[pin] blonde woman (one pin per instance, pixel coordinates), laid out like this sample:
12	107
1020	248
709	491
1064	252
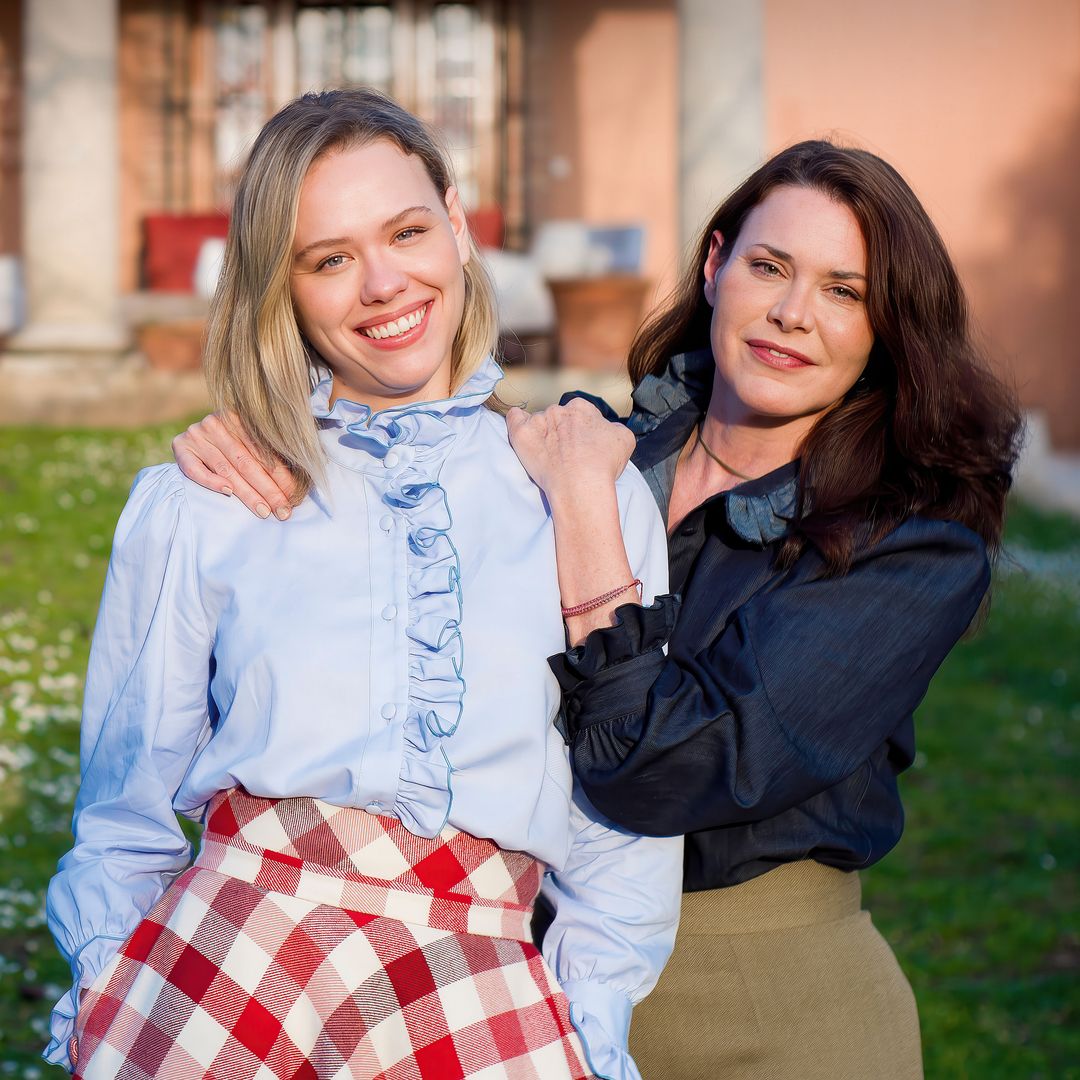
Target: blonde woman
357	703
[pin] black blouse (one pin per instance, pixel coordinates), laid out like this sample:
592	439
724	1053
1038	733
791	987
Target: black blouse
775	725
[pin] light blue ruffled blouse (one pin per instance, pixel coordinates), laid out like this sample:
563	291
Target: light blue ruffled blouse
385	649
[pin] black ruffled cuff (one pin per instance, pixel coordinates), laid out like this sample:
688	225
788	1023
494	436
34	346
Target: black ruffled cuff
611	671
636	630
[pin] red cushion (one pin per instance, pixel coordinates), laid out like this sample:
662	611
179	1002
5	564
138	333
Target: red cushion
487	226
172	243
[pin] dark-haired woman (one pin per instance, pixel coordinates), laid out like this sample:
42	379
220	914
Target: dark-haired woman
832	459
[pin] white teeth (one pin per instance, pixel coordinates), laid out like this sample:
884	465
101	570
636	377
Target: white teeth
399	326
776	352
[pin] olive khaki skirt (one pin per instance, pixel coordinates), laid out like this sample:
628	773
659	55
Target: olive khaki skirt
780	978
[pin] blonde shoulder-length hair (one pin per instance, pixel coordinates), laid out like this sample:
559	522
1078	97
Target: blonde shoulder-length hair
258	365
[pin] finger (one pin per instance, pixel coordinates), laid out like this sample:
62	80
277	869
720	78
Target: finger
253	499
191	465
204	463
253	483
285	481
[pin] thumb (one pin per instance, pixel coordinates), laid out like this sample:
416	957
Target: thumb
515	419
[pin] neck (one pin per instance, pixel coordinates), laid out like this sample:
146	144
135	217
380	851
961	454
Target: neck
377	400
750	444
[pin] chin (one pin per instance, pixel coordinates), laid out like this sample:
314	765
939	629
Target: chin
395	379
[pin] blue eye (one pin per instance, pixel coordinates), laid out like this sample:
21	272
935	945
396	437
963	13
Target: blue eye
409	233
331	262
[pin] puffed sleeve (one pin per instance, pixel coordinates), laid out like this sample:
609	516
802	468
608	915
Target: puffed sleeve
800	686
616	901
145	713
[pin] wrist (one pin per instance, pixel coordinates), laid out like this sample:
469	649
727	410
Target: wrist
603	599
571	493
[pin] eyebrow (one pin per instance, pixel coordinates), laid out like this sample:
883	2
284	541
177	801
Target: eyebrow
840	275
387	226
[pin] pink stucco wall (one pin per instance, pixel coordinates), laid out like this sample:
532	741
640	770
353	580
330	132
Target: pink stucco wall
603	114
977	102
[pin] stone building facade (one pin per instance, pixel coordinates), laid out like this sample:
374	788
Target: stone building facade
608	111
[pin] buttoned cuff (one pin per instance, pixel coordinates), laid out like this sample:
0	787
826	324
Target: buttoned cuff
601	1017
86	965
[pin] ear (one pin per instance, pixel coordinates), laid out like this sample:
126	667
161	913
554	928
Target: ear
714	263
456	212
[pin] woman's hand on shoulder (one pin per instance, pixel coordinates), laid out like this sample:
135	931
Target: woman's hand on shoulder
216	453
569	449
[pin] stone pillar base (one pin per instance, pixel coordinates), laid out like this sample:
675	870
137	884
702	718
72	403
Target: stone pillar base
37	339
94	389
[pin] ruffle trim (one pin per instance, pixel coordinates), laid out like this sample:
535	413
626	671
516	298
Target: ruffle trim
414	441
86	966
687	378
762	517
470	395
635	631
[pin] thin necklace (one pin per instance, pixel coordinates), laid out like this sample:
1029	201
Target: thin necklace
723	464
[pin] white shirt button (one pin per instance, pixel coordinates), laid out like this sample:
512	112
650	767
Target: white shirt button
374	807
389	612
388	711
386	522
391	459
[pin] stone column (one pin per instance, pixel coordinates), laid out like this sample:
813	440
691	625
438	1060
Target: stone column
73	336
721	106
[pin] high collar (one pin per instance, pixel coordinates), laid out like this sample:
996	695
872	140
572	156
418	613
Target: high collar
667	408
687	380
357	417
399	435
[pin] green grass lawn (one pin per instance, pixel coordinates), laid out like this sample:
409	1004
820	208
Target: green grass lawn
978	900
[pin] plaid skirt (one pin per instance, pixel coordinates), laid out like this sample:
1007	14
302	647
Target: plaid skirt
314	941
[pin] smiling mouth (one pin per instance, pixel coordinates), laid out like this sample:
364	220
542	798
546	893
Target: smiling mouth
778	358
396	327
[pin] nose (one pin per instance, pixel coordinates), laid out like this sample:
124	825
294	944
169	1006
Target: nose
383	280
793	309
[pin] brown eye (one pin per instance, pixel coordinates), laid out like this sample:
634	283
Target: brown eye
842	292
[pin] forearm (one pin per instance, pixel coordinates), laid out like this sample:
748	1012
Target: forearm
616	904
591	554
772	711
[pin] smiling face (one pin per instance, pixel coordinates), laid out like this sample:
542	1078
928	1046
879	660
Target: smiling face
377	281
790	331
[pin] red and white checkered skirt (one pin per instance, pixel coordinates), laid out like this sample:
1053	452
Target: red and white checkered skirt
314	941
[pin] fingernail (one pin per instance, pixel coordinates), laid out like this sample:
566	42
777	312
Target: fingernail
282	513
262	510
227	491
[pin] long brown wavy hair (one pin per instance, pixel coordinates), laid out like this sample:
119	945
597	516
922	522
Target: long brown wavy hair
928	429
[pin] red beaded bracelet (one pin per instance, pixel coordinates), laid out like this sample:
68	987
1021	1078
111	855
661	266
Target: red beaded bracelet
598	601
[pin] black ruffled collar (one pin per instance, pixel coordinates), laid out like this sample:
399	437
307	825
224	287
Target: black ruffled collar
667	407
